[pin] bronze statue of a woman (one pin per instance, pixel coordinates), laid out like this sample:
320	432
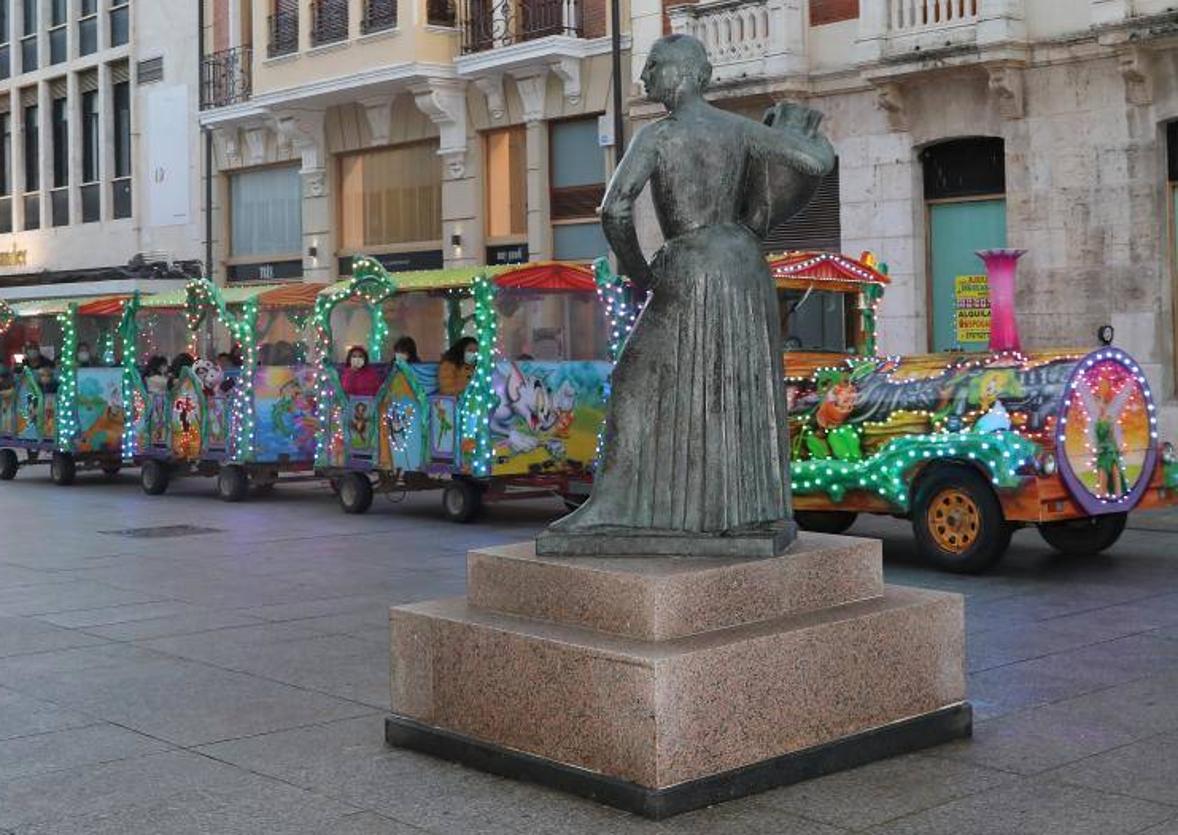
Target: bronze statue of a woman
696	450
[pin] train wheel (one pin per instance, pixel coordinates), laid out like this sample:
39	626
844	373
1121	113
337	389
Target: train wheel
958	521
63	469
832	521
1089	535
232	483
461	500
9	464
154	478
355	493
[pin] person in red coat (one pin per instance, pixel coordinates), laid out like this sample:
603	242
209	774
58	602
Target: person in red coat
359	378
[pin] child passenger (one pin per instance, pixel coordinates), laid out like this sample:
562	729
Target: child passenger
458	366
359	379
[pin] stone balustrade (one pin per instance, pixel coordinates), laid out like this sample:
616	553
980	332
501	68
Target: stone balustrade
746	39
893	28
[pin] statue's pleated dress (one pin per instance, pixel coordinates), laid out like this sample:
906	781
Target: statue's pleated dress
703	448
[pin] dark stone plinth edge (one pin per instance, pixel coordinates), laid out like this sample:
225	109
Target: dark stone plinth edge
936	728
755	543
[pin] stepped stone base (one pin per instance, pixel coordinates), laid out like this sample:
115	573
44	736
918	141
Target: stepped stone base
660	684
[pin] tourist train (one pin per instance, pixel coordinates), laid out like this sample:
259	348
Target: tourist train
348	383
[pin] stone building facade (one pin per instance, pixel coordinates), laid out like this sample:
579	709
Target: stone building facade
1041	124
426	133
99	151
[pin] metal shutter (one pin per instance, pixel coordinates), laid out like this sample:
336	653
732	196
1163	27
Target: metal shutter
816	227
150	70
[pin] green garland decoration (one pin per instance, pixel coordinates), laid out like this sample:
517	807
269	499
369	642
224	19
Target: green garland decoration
372	284
475	404
67	384
134	392
7	317
999	454
202	295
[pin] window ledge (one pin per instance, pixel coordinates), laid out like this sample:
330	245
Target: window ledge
280	59
334	46
379	35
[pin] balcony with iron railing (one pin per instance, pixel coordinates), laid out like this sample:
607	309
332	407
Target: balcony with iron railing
226	77
284	31
329	21
490	24
379	15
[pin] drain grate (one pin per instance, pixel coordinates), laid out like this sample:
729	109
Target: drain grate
163	532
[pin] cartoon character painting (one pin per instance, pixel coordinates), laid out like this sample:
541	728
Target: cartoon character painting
100	410
361	426
547	415
1104	431
528	410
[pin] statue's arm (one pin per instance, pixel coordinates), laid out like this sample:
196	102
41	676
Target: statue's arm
617	210
790	133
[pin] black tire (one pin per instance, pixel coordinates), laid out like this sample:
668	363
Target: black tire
958	521
355	493
63	469
233	483
461	501
825	521
9	464
154	478
1089	535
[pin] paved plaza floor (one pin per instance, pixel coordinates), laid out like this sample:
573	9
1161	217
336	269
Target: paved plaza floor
177	665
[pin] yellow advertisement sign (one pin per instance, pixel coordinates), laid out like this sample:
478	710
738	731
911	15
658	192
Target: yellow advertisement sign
972	308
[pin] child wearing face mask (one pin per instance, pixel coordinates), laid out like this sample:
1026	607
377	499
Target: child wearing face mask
458	366
85	360
359	379
405	349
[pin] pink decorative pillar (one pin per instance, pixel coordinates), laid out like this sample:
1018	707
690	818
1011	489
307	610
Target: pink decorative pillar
1001	267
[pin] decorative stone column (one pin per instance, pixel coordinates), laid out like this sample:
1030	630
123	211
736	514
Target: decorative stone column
443	100
786	53
304	130
533	93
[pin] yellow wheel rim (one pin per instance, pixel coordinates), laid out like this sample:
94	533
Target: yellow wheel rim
954	521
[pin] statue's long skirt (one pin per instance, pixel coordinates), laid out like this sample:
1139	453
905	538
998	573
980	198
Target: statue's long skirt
696	436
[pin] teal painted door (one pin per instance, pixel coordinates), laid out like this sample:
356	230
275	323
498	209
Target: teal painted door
957	231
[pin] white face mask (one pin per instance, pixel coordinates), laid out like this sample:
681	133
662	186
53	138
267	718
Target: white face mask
472	357
357	363
402	356
83	356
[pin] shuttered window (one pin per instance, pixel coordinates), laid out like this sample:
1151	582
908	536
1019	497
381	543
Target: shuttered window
816	227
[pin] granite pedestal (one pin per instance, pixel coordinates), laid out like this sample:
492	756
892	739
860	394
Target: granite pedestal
660	685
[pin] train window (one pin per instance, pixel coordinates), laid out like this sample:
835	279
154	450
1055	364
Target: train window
551	326
280	339
817	320
420	316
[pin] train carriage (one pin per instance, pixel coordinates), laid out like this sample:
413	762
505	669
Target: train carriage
528	422
968	446
69	412
248	420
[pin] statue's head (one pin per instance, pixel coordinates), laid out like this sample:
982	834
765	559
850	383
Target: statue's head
678	65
